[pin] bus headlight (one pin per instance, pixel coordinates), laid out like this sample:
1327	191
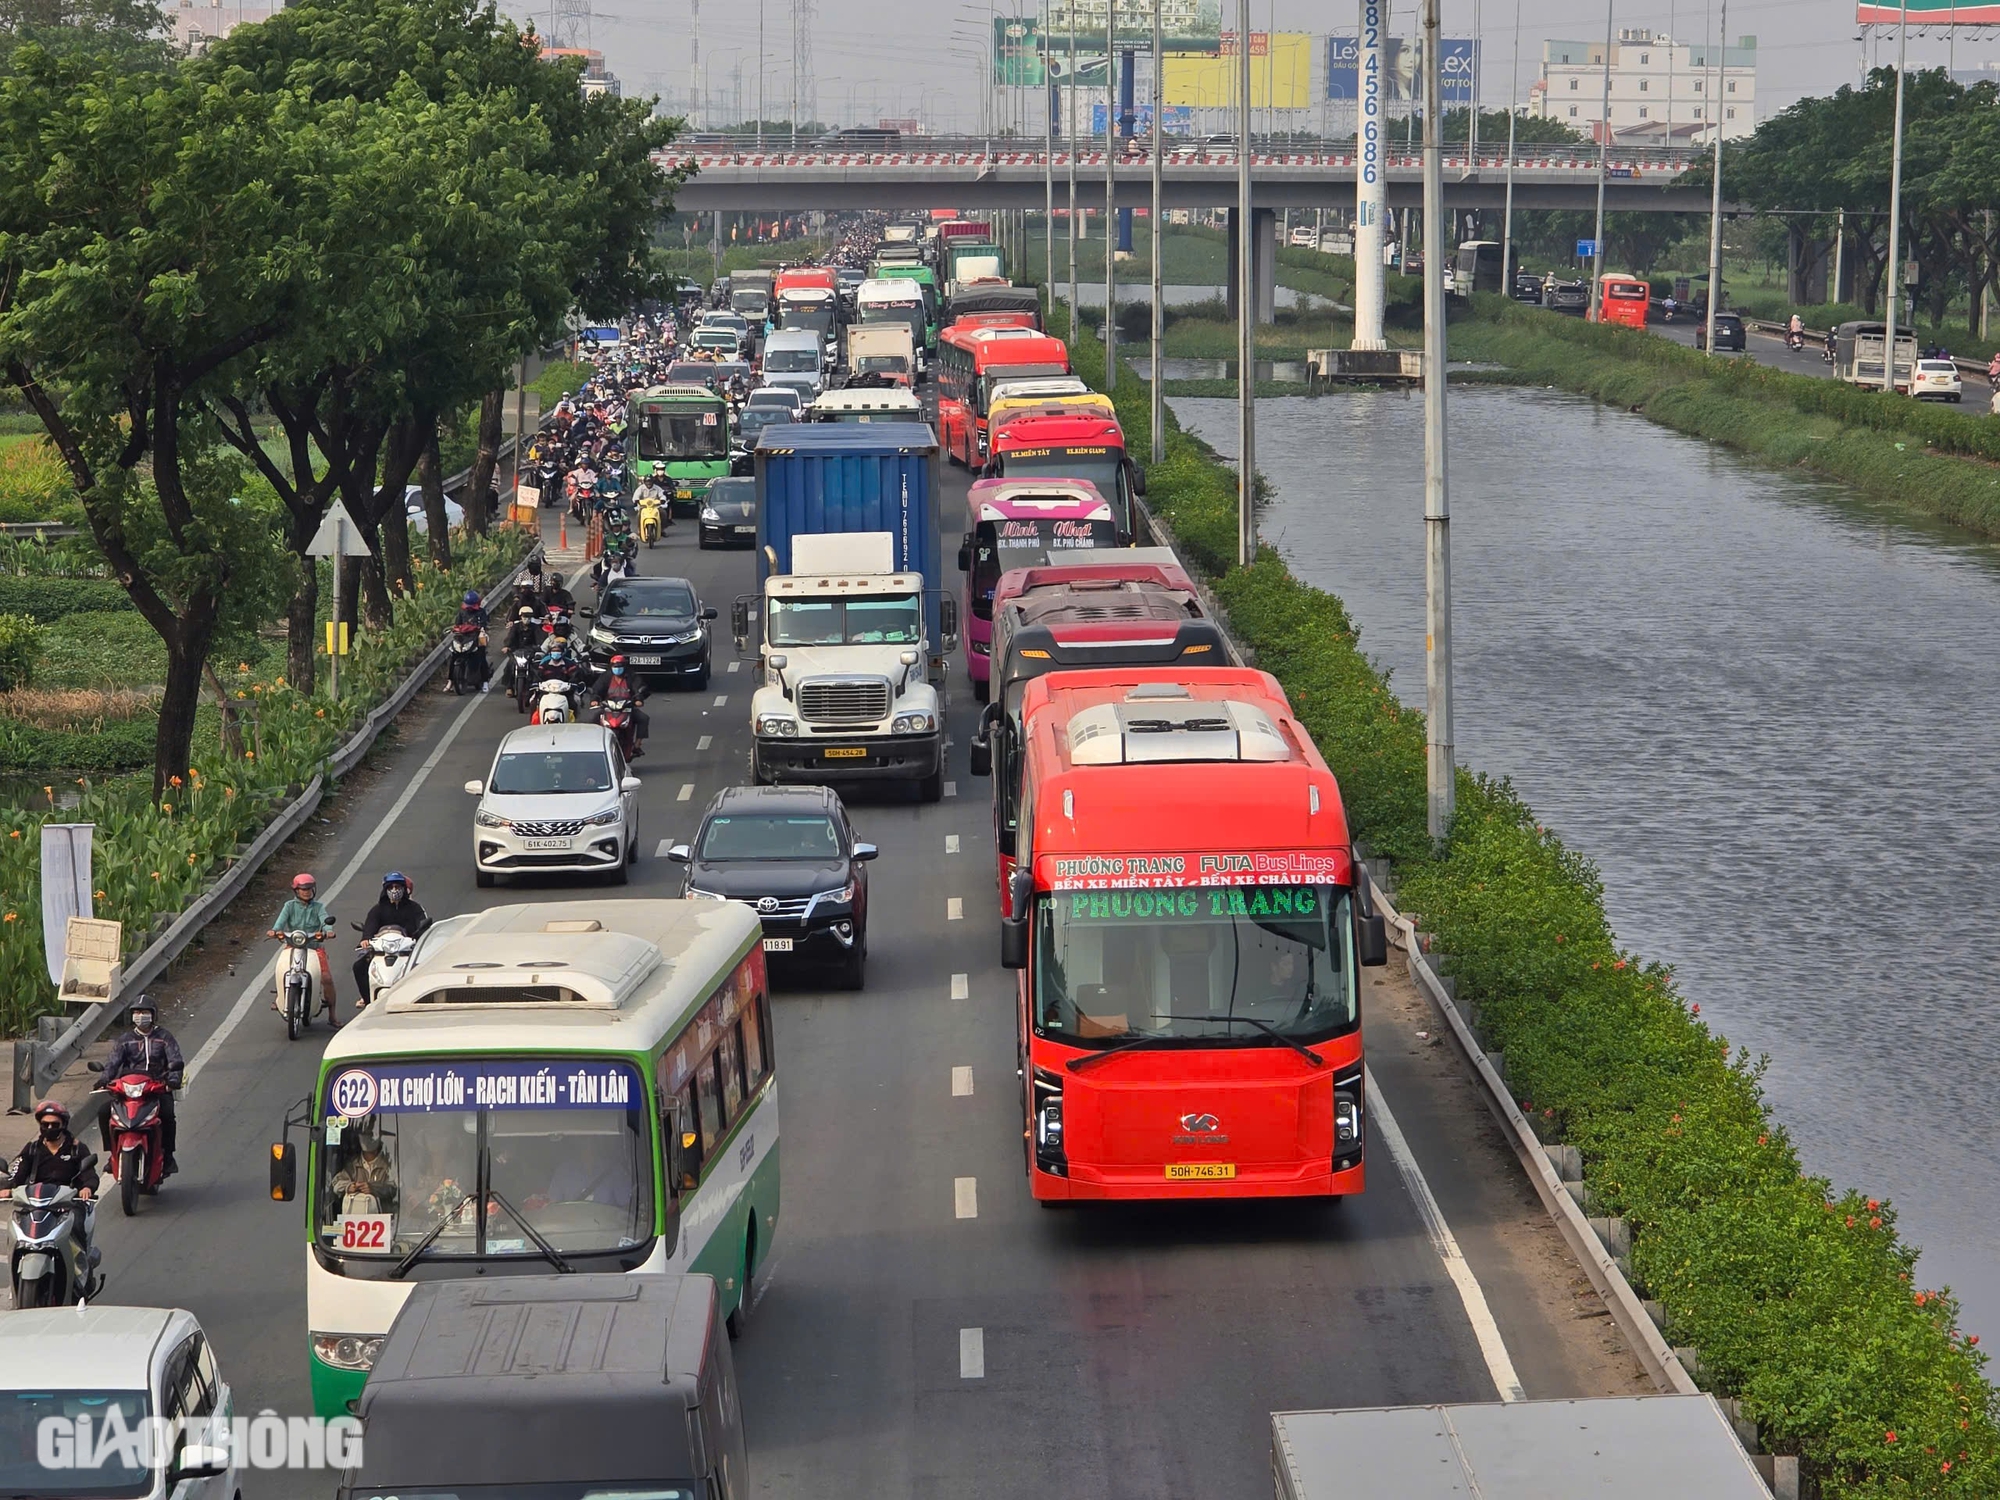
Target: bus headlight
347	1351
1349	1133
1048	1125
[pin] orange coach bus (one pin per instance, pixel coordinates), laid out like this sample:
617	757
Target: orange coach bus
1189	934
970	362
1623	299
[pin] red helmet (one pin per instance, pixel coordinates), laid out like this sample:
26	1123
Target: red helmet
303	881
52	1107
618	661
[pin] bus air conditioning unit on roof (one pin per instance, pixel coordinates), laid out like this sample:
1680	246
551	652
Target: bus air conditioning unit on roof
1162	722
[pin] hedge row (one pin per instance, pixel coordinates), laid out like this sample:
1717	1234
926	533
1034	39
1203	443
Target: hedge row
47	599
1800	1299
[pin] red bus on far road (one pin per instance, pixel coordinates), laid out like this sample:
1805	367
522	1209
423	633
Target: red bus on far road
1189	935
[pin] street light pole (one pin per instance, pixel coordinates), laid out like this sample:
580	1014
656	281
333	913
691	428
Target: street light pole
1246	308
1715	186
1895	283
760	75
1069	106
1049	97
1159	411
1110	196
1437	504
1507	218
1603	147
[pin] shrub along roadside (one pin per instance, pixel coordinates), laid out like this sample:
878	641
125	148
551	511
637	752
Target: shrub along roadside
1800	1300
1932	458
151	861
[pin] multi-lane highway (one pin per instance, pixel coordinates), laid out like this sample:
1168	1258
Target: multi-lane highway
924	1328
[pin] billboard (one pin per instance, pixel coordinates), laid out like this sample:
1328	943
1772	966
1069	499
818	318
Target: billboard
1280	73
1017	52
1177	120
1185	25
1929	13
1402	69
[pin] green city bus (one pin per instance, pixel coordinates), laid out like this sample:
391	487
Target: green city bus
683	432
580	1086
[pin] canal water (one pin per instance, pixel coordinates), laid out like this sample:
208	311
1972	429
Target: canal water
1767	708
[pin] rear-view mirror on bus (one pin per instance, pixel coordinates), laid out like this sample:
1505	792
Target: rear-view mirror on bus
1138	481
1371	936
284	1172
1014	925
739	623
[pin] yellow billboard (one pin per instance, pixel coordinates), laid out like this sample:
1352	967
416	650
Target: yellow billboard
1280	73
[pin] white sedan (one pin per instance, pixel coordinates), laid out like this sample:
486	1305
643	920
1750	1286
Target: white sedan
1936	379
559	797
413	507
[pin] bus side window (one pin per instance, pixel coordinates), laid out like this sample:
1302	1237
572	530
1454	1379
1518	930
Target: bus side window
690	1154
709	1101
729	1062
755	1070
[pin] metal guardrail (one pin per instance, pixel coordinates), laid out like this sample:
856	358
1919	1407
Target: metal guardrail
1818	336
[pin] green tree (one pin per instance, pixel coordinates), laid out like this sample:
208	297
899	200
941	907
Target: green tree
130	34
153	233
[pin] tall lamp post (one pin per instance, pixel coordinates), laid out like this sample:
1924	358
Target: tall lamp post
1603	147
1246	308
1895	270
1507	217
1069	105
1049	97
1715	188
1437	505
1110	196
1159	408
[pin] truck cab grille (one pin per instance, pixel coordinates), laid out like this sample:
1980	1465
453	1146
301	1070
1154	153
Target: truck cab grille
852	700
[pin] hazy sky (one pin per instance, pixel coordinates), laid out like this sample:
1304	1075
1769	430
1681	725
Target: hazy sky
895	57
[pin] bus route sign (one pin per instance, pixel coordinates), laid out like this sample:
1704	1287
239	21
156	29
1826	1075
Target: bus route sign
422	1088
1112	872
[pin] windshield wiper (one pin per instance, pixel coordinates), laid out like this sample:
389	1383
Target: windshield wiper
541	1244
1078	1064
402	1267
1267	1028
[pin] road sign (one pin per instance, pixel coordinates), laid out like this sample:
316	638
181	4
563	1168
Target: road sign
1586	249
337	536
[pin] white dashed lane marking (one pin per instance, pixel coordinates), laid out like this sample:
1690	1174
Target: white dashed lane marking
951	789
959	987
732	666
661	852
972	1354
686	791
704	742
954	908
965	1197
961	1083
721	700
951	843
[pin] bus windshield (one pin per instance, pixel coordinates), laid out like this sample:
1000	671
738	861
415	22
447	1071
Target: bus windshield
683	434
895	620
1027	542
1014	372
815	316
1210	966
1100	466
490	1157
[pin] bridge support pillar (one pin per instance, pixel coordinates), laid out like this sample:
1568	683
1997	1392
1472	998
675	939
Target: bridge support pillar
1264	240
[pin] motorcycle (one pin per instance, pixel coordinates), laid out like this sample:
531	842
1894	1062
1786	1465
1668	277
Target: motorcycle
555	702
136	1123
620	718
625	546
54	1263
390	949
298	982
1795	341
514	676
466	665
649	520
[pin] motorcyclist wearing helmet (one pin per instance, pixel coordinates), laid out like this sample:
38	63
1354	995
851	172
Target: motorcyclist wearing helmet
397	908
304	913
54	1156
151	1049
472	611
524	634
555	596
616	684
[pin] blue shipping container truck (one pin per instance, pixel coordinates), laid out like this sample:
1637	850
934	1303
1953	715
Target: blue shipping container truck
815	478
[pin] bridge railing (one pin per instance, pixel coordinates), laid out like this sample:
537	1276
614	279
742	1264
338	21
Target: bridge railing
1278	153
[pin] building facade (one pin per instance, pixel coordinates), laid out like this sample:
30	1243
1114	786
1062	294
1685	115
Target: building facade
1663	92
196	23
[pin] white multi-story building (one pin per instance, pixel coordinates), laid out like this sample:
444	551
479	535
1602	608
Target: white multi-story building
196	23
1663	92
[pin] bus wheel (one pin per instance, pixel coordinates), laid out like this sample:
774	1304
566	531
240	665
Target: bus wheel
747	1291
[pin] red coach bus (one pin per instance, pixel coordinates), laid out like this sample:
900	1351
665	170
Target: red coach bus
970	362
1190	937
1623	299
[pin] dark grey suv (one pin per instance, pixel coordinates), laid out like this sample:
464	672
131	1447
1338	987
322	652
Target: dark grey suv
790	855
659	625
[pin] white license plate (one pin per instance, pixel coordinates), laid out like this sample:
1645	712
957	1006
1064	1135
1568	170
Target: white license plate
777	945
746	531
546	843
643	661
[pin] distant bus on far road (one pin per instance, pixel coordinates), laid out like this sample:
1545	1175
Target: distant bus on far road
582	1086
1478	267
1857	355
1623	299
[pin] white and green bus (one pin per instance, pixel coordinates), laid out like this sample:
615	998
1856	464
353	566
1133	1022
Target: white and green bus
580	1086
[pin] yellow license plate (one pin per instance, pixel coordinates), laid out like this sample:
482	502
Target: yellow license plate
1199	1171
845	752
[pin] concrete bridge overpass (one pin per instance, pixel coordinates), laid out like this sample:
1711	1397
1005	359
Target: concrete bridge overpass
743	174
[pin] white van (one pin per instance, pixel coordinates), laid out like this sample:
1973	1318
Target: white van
795	357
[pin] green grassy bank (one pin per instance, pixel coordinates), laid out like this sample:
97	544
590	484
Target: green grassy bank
1798	1296
1942	460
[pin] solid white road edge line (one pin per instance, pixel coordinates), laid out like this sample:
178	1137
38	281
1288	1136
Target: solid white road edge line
972	1354
258	985
1499	1364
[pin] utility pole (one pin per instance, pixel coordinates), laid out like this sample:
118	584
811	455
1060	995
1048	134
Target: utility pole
1603	147
694	65
1246	308
1507	218
1715	187
1840	252
1437	501
1110	196
1049	97
1069	106
1371	177
760	75
1158	227
1895	283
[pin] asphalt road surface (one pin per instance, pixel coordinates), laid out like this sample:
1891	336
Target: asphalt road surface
902	1347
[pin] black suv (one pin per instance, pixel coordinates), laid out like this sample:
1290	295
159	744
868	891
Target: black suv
658	624
1729	332
790	855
